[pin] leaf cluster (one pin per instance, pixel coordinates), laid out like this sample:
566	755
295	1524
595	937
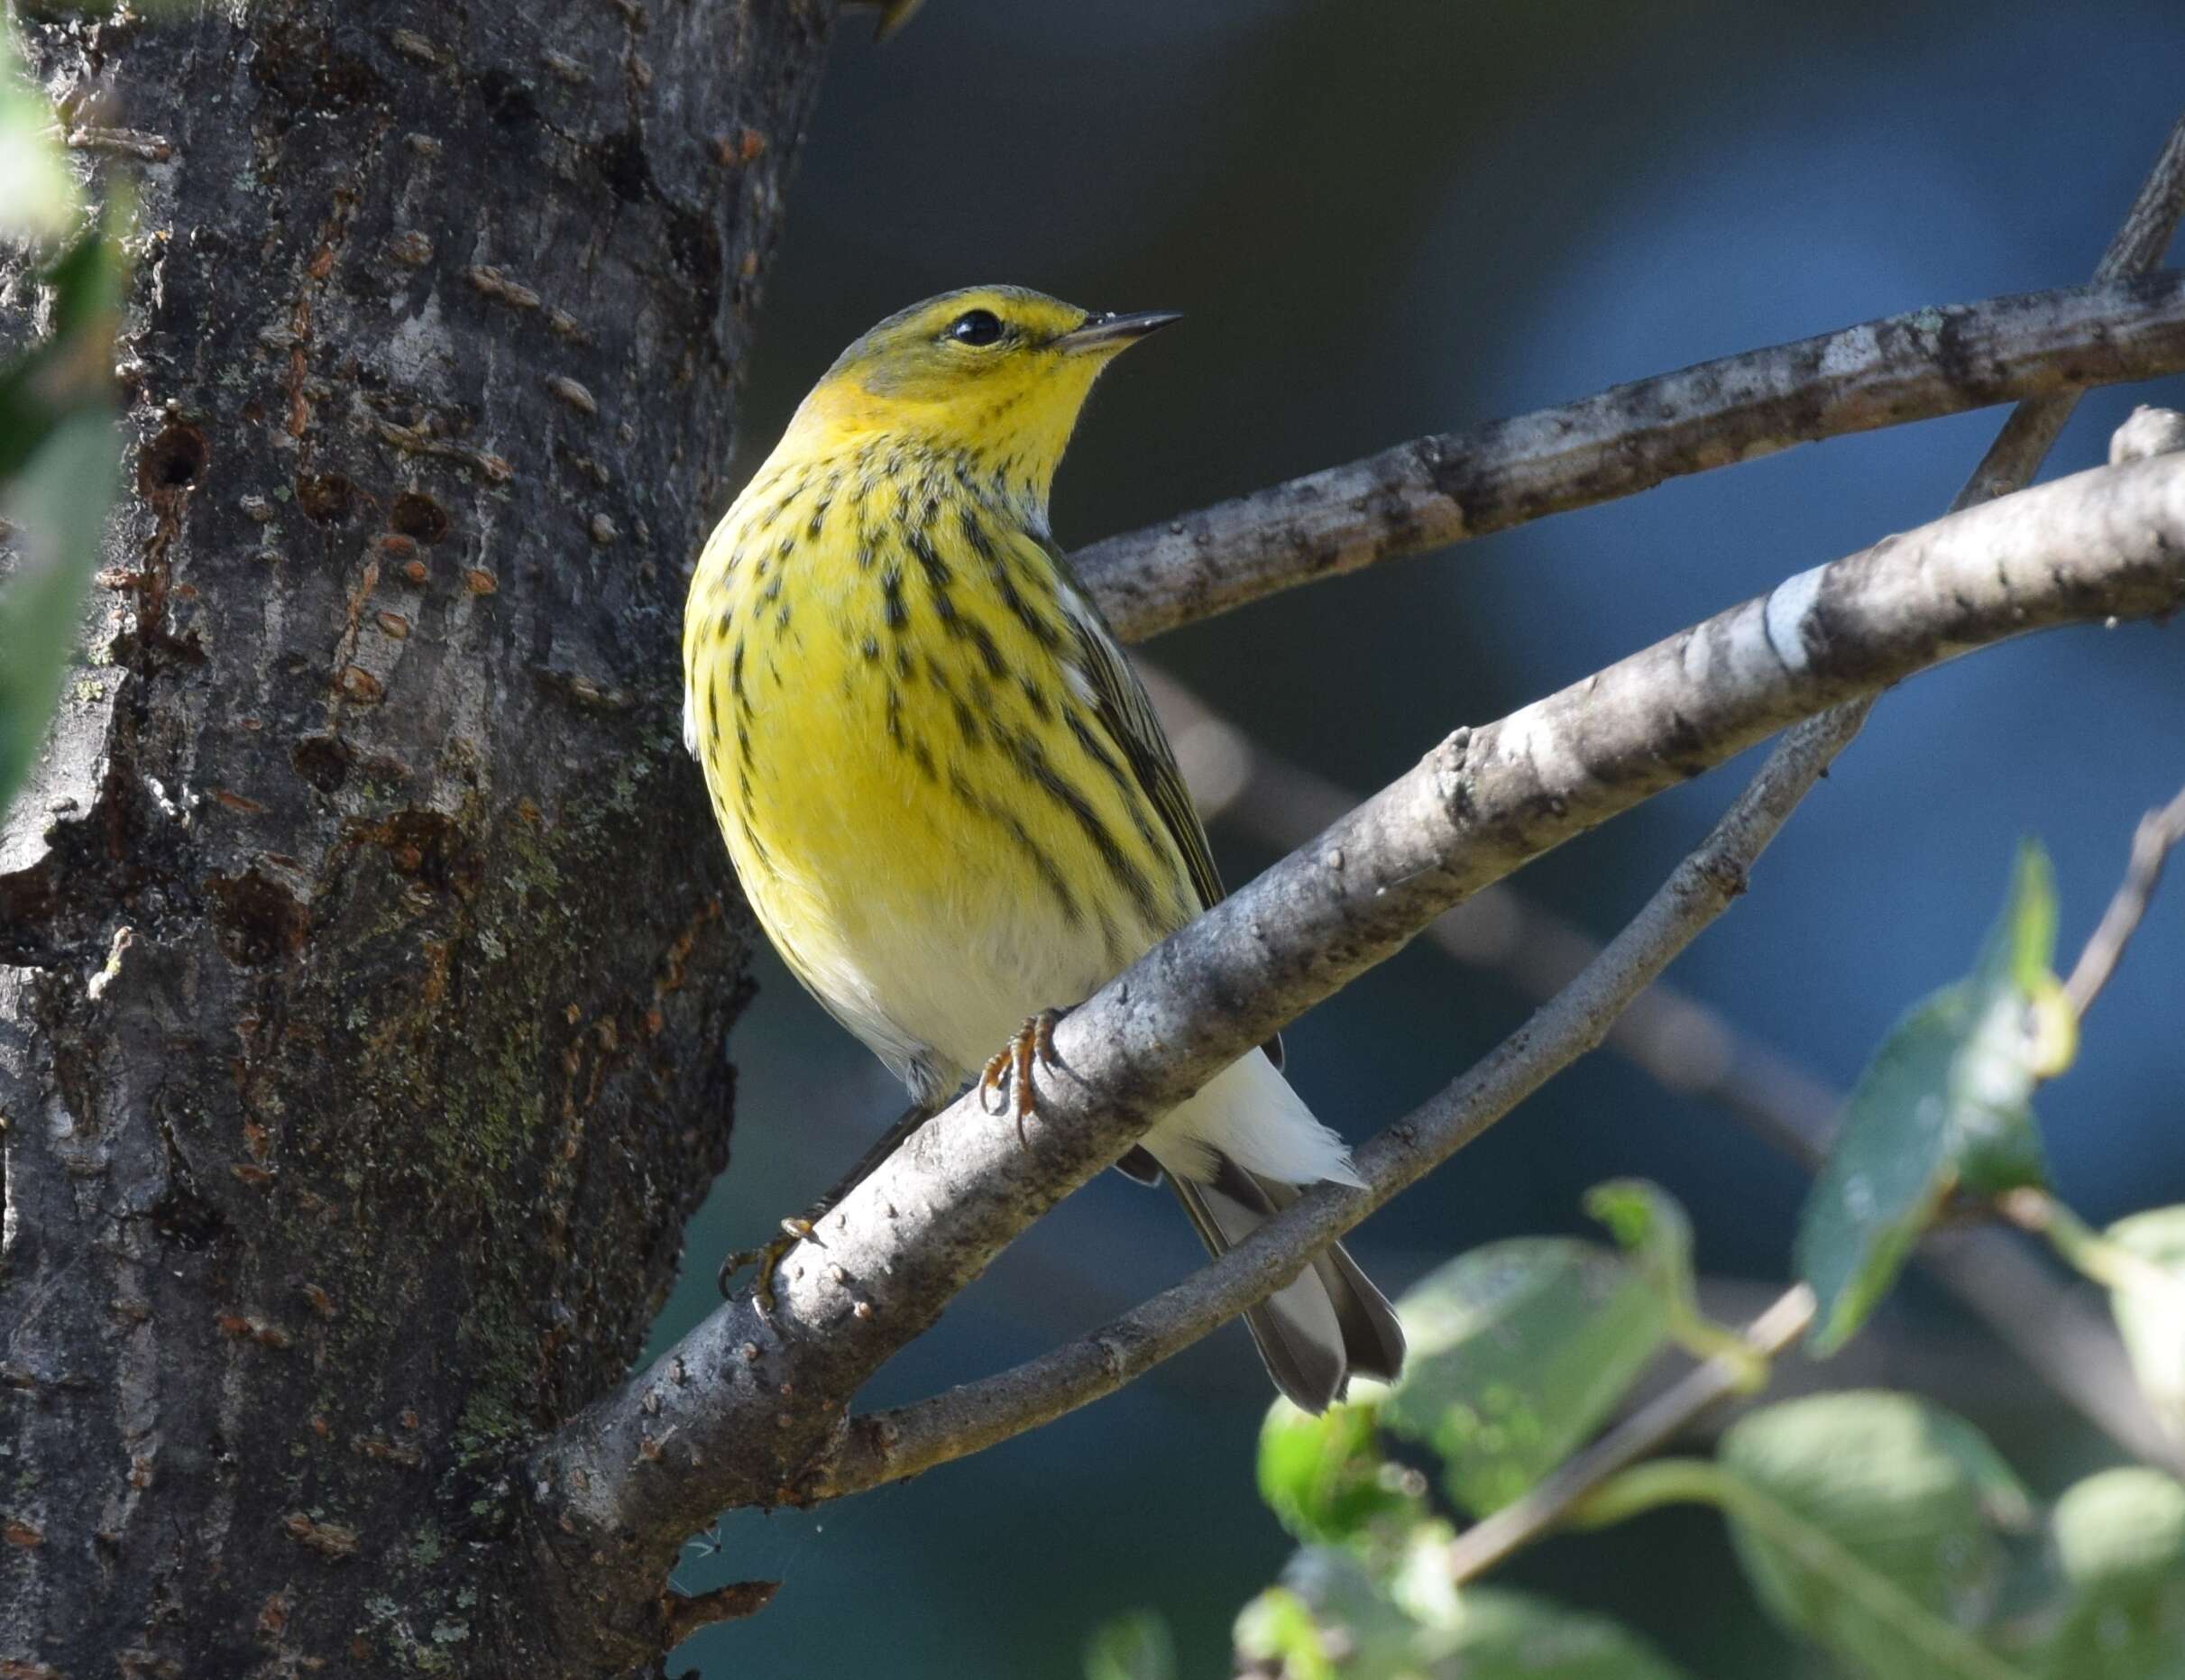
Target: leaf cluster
1876	1526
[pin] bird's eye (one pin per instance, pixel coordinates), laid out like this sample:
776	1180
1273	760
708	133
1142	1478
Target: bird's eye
976	327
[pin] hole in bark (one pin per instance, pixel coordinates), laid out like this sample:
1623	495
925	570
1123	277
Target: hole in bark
430	848
326	497
28	901
341	83
173	459
419	517
323	761
308	71
255	919
508	100
624	162
182	1216
696	242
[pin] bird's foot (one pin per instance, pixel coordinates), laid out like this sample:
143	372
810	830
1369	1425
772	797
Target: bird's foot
768	1257
1009	1074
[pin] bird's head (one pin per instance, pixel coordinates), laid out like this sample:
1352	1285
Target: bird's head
996	372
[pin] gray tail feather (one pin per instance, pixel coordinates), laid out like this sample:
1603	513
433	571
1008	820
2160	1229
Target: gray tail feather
1313	1333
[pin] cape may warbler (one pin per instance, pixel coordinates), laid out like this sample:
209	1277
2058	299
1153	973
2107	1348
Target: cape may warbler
945	793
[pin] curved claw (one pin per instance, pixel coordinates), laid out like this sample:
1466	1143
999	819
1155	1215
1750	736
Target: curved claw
1009	1072
768	1257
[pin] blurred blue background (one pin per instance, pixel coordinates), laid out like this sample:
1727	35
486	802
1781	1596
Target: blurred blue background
1384	220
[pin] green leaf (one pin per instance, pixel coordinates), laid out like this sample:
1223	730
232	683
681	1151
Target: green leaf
2120	1545
1945	1102
1519	1350
1325	1478
1134	1646
2021	948
1867	1522
58	455
1278	1626
62	498
71	369
1503	1635
39	199
2149	1303
1650	1226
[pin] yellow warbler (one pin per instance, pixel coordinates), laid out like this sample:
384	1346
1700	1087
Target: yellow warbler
944	790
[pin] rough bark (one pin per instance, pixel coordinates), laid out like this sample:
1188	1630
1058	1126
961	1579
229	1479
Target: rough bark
365	953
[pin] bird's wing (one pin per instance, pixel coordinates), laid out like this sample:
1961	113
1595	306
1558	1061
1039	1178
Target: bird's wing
1120	702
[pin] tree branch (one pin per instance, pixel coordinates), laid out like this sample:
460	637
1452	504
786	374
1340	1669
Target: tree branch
2045	1325
1690	1050
1447	488
761	1419
736	1414
890	1446
1682	1044
1580	1009
1617	1000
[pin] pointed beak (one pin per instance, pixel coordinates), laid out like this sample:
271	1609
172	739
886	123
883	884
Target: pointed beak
1109	333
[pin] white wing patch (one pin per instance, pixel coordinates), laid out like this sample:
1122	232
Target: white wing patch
690	718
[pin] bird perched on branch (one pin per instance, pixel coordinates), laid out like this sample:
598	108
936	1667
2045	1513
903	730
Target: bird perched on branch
945	793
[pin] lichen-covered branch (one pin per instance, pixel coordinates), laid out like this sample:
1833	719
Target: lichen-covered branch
1445	489
740	1412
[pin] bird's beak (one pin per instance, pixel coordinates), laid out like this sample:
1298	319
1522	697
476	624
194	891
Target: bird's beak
1108	333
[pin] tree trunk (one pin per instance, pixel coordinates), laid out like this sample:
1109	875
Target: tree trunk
365	950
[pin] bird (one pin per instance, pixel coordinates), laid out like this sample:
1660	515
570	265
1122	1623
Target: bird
944	790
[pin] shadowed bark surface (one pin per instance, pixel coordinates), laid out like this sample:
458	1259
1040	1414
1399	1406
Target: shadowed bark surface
365	950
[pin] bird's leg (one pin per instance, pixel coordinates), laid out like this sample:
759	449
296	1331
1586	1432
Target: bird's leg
768	1255
1012	1068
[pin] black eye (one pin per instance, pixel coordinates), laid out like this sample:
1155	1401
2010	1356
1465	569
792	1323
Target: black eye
976	327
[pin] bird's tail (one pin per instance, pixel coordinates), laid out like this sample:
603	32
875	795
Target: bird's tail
1314	1334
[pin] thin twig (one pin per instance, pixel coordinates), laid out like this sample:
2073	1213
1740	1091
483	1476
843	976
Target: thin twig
2158	831
1445	489
1643	1433
2088	1252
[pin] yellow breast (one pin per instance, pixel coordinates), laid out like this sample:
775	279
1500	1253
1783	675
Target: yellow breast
923	804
